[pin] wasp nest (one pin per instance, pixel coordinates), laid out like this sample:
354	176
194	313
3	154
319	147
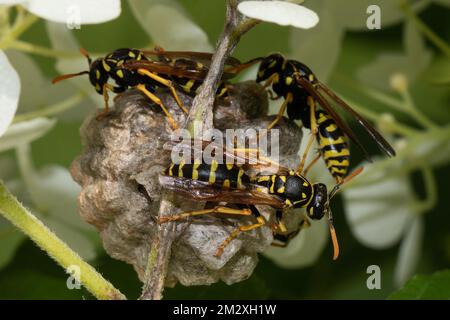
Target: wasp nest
121	196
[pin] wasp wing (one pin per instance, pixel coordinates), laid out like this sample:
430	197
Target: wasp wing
376	136
203	57
203	191
252	161
326	105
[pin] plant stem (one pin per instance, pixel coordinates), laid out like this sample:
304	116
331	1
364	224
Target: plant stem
17	30
159	255
200	115
427	31
43	51
51	110
431	191
19	216
415	113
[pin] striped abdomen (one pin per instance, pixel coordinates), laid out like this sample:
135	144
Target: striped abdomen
293	188
333	145
220	175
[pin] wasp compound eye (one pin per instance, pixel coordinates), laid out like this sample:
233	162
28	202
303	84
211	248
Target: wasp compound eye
319	204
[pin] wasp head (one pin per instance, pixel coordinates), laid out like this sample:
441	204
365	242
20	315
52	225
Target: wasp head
319	205
98	76
270	65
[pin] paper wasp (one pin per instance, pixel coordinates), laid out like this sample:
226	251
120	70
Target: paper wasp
110	68
193	66
248	185
303	93
305	98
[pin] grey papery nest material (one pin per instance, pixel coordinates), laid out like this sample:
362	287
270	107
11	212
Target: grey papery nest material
118	171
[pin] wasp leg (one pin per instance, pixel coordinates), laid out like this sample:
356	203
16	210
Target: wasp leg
217	209
283	107
270	80
272	95
311	164
158	101
314	131
106	87
237	231
166	83
285	238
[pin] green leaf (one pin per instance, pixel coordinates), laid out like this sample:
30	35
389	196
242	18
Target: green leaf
425	287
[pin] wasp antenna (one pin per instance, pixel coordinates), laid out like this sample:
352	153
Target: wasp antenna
352	175
158	49
86	54
245	65
68	76
335	242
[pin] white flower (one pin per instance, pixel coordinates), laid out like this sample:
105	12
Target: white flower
65	11
280	12
384	212
9	92
71	11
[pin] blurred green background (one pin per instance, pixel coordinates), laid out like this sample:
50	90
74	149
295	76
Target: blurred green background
33	275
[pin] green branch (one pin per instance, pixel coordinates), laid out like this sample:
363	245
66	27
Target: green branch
18	215
51	110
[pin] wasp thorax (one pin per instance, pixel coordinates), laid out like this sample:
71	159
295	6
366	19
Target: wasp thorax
319	203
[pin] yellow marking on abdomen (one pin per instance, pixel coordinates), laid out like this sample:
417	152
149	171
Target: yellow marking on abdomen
120	73
333	153
239	179
180	168
170	169
195	170
226	183
272	185
331	163
339	171
212	172
328	142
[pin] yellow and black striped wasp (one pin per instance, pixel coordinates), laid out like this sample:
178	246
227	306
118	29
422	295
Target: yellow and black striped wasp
303	93
258	181
109	74
305	99
195	66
